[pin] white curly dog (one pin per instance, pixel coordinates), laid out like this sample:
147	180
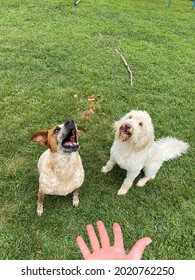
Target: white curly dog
134	149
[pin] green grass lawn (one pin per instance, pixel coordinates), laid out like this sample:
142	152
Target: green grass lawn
53	57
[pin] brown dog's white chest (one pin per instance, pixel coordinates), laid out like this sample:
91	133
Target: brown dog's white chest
60	173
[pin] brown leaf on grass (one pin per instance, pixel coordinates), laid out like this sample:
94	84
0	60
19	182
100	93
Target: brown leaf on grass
80	127
88	112
87	119
92	107
91	98
40	251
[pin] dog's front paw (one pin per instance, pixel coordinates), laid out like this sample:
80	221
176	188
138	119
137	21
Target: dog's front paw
122	191
104	170
142	182
39	209
76	203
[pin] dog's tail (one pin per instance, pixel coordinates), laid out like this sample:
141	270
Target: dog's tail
171	147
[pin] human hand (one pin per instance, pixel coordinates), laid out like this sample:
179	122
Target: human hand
106	251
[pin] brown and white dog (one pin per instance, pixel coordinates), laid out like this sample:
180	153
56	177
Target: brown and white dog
60	167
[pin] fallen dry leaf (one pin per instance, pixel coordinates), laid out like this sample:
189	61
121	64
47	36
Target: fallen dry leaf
87	119
92	107
88	112
91	98
39	251
80	127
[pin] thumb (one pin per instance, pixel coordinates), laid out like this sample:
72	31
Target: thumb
138	249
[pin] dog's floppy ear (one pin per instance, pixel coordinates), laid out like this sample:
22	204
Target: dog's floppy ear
116	126
145	140
40	137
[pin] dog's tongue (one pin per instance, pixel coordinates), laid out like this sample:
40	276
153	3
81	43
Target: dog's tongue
71	142
68	143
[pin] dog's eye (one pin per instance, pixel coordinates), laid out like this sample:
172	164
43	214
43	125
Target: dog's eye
141	123
130	117
56	130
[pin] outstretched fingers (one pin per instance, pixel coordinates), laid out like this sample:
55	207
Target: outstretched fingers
83	247
138	249
104	238
118	236
95	245
117	251
93	241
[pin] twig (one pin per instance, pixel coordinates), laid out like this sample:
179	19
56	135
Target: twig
127	66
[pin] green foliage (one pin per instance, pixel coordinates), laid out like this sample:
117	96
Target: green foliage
52	51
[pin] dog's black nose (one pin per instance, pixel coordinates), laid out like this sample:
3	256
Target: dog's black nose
69	123
127	126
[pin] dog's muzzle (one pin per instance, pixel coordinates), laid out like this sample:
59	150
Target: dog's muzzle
68	137
125	131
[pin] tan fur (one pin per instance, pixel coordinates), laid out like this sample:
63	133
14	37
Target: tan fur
59	173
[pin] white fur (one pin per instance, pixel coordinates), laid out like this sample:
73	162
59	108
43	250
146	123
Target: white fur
137	150
65	176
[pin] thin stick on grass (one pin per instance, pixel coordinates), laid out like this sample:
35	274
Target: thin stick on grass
127	66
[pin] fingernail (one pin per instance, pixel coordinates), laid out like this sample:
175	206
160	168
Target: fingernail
149	241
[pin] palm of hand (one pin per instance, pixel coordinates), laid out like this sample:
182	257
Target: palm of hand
106	251
110	253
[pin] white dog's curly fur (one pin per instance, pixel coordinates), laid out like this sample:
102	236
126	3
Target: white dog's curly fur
134	149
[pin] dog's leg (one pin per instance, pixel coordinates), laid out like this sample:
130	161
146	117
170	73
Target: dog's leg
125	186
150	173
76	198
142	181
40	203
128	182
109	165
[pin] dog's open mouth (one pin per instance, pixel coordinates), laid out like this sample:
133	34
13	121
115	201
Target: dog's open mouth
124	132
69	142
